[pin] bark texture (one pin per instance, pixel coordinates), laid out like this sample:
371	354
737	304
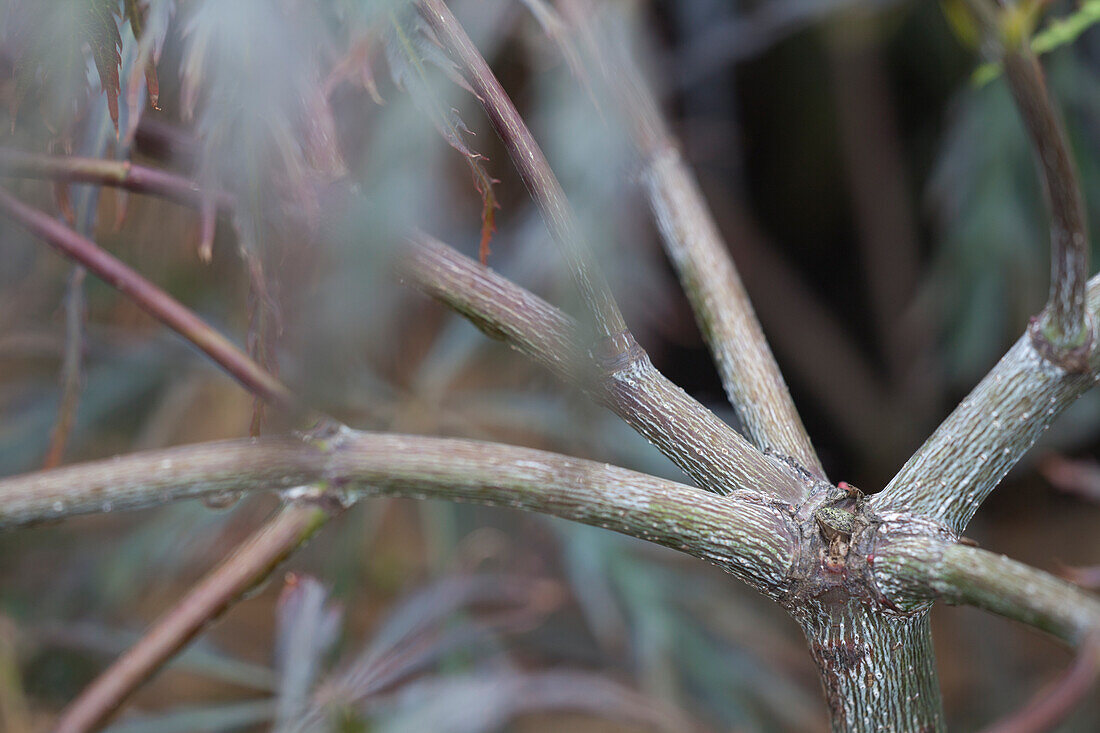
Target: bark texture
878	670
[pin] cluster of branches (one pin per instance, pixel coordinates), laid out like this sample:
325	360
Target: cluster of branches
752	494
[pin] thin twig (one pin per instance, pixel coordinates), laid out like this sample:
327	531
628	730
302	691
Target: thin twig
1062	331
117	173
149	297
248	566
744	534
537	176
707	449
1053	704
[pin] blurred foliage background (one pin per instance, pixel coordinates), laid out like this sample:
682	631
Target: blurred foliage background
884	212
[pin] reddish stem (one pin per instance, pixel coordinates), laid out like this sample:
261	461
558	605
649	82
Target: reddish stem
148	296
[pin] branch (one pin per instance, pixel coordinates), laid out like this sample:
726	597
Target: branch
148	297
912	571
118	173
707	449
750	375
529	160
248	566
949	477
1062	331
745	535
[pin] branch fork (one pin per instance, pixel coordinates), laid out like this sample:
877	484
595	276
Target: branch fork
1073	359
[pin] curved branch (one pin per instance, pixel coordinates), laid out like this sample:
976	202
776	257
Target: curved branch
1062	331
248	566
949	477
707	449
148	297
117	173
745	535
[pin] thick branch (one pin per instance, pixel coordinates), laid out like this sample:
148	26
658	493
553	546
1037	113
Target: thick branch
949	477
745	535
707	449
117	173
149	297
1062	330
916	570
750	375
912	571
244	569
878	670
536	174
